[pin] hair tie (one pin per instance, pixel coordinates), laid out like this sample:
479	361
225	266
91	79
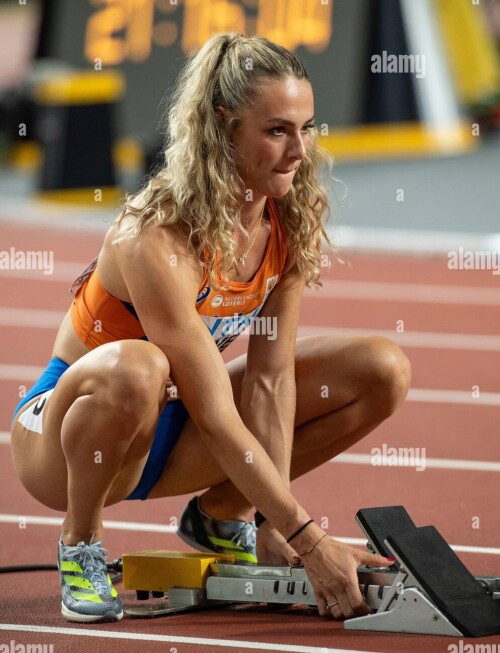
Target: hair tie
223	51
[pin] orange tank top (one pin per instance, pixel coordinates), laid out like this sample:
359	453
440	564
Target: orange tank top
98	317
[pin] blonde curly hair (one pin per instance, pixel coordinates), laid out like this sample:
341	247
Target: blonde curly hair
199	181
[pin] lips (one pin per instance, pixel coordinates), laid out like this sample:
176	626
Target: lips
285	172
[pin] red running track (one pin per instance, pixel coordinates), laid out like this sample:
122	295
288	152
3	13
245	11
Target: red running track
449	331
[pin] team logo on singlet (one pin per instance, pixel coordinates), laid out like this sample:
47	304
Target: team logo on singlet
204	292
271	282
217	300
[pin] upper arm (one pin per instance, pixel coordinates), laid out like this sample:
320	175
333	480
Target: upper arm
271	351
162	280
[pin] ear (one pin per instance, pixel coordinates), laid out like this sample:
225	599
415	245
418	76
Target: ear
222	113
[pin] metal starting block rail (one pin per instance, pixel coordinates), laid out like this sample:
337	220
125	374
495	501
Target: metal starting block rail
428	591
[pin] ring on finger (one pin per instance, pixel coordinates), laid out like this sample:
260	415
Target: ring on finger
330	605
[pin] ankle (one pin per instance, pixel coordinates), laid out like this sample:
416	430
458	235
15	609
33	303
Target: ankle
221	511
72	538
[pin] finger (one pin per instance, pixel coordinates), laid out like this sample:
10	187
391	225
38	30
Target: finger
325	611
375	560
343	608
321	603
291	555
357	604
334	608
337	613
327	606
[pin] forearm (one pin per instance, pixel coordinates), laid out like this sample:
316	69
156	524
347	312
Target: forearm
249	467
268	411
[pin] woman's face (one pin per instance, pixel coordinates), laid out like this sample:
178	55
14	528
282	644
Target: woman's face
272	136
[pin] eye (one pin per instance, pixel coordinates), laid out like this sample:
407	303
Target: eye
304	129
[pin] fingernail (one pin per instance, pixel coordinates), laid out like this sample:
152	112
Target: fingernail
391	559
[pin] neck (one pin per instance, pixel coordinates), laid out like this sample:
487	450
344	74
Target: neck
250	213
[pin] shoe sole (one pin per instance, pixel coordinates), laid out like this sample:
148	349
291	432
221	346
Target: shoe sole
69	615
194	544
200	547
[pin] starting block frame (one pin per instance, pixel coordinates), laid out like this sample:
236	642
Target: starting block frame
401	603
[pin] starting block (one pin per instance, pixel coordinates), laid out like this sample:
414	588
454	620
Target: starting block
427	591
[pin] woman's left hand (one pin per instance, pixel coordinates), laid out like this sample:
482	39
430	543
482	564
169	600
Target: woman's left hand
272	548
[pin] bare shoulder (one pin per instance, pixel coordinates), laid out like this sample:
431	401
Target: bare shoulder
171	239
289	264
158	250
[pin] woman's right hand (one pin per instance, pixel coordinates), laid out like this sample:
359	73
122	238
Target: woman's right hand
332	570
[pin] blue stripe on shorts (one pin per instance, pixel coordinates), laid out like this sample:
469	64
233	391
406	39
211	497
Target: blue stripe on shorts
168	429
167	433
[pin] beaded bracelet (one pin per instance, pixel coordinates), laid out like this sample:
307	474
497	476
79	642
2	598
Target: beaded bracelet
313	546
299	530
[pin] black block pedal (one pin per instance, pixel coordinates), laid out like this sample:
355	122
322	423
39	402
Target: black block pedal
447	582
378	523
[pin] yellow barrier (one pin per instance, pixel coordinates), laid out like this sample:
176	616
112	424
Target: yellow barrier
75	114
93	87
471	49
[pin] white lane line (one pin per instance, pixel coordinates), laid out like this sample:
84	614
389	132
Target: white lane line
200	641
460	548
19	373
36	520
366	459
47	319
434	463
417	339
29	373
406	292
425	395
35	318
64	271
408	241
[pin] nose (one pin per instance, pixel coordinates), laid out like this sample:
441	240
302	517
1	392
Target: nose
297	149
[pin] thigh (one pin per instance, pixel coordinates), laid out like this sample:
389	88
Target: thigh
38	455
331	372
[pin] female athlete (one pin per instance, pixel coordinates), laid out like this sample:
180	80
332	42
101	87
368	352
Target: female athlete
136	401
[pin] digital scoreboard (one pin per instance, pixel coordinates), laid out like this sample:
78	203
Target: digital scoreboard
129	30
148	40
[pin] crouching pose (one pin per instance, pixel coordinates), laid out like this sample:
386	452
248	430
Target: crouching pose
136	401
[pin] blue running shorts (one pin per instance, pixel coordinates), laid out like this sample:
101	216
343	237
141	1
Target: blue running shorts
168	429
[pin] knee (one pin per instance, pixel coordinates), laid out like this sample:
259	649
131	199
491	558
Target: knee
131	379
139	375
389	375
